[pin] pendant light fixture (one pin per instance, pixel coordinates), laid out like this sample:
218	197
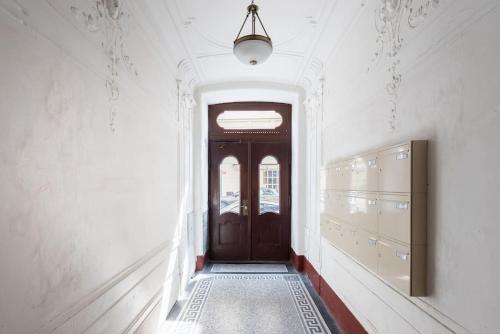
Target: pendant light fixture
253	49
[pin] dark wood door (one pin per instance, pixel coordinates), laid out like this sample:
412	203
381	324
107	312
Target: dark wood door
270	201
229	207
249	220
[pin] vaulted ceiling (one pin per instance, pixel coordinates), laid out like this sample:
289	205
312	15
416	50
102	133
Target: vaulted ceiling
207	30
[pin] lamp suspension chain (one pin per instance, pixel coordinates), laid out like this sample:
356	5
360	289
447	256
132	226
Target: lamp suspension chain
253	48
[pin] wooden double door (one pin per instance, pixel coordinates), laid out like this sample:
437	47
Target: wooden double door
249	201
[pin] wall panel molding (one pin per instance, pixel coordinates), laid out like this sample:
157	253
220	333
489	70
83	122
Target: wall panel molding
145	312
160	253
400	305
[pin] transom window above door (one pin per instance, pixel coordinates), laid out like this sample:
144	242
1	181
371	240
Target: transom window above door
249	120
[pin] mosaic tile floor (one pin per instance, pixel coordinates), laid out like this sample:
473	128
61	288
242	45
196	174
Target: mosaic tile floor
233	303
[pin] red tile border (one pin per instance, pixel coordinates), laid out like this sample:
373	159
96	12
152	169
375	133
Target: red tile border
344	318
312	274
342	315
200	262
297	261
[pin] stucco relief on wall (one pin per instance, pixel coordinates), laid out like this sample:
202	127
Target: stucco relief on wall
390	17
108	18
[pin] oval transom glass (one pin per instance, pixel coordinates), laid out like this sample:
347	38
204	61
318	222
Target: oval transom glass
249	120
269	185
229	176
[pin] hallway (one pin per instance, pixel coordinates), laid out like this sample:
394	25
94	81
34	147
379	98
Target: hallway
249	166
250	298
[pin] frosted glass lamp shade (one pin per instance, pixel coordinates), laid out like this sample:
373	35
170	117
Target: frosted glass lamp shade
253	49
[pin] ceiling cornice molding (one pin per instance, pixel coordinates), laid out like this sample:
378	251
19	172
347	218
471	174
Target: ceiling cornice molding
313	75
174	14
187	74
309	57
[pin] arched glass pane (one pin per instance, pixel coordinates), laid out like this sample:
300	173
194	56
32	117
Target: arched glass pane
229	175
269	191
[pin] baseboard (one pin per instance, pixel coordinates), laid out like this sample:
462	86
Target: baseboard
201	260
312	274
344	318
297	261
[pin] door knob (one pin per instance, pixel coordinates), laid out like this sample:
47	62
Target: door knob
245	207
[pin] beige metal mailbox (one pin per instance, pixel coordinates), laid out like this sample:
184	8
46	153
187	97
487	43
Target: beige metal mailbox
363	211
366	243
364	176
395	169
394	264
375	210
395	217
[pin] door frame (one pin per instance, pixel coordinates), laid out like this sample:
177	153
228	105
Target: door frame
282	134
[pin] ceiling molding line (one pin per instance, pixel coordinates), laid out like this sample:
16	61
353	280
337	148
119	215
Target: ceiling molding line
286	54
306	28
210	40
154	43
228	46
346	32
210	55
314	44
183	38
310	27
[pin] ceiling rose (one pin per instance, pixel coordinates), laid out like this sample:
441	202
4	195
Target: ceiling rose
253	49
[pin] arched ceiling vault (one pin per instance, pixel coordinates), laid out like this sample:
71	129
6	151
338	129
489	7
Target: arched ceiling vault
207	30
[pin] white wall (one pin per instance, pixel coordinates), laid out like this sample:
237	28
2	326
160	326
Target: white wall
244	92
449	64
89	195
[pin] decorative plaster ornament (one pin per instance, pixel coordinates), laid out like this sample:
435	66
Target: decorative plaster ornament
391	7
389	20
107	18
113	8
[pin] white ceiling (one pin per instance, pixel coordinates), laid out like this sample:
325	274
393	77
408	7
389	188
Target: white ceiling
208	29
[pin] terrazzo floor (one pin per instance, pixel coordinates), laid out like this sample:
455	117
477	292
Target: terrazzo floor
236	301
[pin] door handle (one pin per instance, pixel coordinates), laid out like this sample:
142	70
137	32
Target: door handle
245	207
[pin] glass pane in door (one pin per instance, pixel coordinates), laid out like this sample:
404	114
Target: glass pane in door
229	176
269	185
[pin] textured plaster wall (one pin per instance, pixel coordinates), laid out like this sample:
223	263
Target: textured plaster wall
431	73
88	168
